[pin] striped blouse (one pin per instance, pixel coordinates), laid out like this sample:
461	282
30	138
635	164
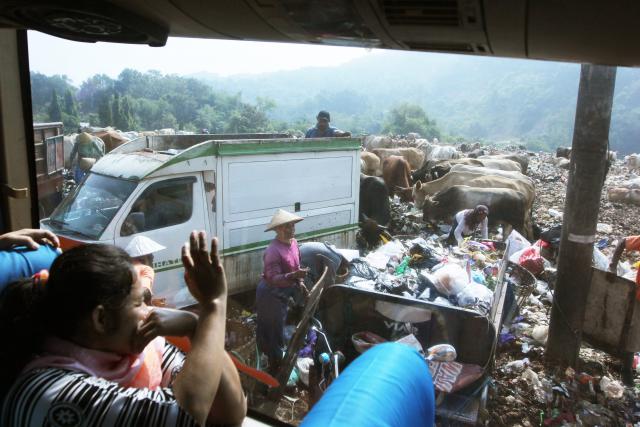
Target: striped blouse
63	398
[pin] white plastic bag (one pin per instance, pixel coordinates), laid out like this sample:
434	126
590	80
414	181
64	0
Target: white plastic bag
475	296
450	279
516	242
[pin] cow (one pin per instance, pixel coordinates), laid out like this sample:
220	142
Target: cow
624	195
632	161
433	169
466	148
397	177
370	164
563	152
374	200
476	153
438	152
422	191
561	162
520	159
443	168
506	206
412	155
491	171
501	164
376	141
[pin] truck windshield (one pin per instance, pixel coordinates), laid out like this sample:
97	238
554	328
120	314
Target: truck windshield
90	209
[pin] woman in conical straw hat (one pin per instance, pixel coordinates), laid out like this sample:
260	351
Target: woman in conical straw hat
282	278
141	250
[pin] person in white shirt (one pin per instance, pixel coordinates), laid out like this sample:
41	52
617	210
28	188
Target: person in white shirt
466	223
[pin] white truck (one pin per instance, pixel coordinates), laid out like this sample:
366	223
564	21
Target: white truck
165	186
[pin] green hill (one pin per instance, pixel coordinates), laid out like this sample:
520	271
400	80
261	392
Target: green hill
473	97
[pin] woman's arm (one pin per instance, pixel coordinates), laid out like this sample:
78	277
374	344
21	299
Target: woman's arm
459	229
205	375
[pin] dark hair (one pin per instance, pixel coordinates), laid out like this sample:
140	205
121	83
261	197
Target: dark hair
472	216
324	115
79	280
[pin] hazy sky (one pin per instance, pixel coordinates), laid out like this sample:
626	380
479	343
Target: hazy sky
51	55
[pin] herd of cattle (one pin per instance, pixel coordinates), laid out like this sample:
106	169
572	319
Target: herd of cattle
442	180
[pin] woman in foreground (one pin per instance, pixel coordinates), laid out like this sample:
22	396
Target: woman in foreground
84	349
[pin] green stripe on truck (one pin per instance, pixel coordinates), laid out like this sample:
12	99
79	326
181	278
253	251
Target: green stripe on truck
290	146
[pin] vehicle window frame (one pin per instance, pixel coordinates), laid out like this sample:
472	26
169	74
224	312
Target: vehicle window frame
190	179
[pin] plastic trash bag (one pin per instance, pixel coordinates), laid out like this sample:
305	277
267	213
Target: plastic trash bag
450	279
360	268
516	242
477	297
303	366
392	248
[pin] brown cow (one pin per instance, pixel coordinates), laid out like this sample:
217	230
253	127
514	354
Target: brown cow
397	177
414	156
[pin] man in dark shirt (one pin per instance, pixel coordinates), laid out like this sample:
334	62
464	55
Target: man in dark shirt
322	128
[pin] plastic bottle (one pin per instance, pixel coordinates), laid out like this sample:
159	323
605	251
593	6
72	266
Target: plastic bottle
402	267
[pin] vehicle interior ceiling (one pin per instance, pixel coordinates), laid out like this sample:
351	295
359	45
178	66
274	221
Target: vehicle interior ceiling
586	31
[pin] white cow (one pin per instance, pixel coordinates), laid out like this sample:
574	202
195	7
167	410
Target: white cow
438	152
376	141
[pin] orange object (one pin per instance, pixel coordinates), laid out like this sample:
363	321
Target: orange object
261	376
66	243
184	344
150	373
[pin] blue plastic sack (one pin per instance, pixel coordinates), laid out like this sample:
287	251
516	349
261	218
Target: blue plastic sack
388	385
21	262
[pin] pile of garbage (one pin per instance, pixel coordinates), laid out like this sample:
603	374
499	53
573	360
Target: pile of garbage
422	268
527	390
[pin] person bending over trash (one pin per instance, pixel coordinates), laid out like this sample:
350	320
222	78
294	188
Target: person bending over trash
283	278
318	255
86	350
322	128
466	222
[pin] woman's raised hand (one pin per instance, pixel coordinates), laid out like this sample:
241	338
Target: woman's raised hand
203	271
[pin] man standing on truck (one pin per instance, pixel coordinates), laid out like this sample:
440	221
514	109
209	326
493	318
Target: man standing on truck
89	149
322	128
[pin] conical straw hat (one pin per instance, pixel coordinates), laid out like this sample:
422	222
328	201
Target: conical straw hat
141	245
282	217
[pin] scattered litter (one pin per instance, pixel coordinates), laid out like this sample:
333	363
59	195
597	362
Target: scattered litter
611	388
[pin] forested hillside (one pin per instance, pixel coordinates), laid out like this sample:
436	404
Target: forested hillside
145	101
468	96
441	95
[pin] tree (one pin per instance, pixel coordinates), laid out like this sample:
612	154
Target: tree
117	113
406	118
70	116
70	106
55	112
129	121
104	111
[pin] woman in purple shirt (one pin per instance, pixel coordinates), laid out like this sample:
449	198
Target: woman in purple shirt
281	279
